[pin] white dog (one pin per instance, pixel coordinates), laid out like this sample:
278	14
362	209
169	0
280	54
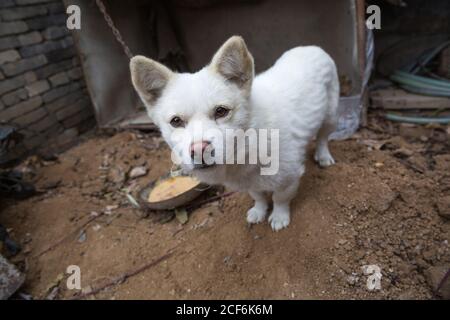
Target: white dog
298	95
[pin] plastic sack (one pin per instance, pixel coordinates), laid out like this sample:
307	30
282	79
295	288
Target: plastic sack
349	108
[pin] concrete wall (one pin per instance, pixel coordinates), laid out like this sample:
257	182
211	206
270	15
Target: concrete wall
42	90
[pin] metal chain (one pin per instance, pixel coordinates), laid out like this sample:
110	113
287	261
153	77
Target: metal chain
115	31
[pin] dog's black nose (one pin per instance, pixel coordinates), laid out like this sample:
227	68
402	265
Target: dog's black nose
200	151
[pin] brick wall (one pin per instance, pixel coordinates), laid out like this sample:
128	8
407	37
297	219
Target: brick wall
42	90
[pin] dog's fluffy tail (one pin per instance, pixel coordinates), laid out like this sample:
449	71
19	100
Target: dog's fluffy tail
333	92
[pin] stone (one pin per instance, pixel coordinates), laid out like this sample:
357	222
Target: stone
43	124
34	142
59	79
48	70
352	279
67	136
65	101
20	13
31	117
21	108
6	3
56	7
117	175
9	43
11	84
403	153
443	206
15	97
30	38
43	22
434	276
72	109
54	130
14	68
45	47
78	118
37	87
55	32
11	279
137	172
59	55
58	92
75	73
8	28
30	77
9	56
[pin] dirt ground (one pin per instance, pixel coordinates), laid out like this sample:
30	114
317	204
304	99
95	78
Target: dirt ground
385	203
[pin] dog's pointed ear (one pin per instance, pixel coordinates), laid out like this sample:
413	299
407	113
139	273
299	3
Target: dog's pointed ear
234	62
149	78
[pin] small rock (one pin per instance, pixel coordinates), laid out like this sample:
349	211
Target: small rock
53	294
109	209
434	277
137	172
403	153
11	279
94	214
352	279
116	175
82	236
443	206
86	290
422	264
51	184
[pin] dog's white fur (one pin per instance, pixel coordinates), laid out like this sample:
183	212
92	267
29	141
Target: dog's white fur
298	95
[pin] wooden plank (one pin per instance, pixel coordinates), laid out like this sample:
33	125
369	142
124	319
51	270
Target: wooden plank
398	99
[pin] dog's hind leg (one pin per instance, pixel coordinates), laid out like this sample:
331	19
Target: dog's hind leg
323	155
258	212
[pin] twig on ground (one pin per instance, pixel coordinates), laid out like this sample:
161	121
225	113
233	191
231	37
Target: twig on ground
121	278
442	282
411	166
60	241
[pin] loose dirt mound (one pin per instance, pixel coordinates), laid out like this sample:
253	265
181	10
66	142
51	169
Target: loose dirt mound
382	204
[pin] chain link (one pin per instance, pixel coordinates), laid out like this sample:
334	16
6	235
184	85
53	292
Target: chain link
115	31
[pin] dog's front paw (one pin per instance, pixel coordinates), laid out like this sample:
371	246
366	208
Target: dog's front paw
255	215
324	160
279	220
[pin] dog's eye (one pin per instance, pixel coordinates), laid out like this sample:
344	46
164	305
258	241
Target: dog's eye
220	112
176	122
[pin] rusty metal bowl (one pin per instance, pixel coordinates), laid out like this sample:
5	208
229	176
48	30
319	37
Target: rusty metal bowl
172	203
